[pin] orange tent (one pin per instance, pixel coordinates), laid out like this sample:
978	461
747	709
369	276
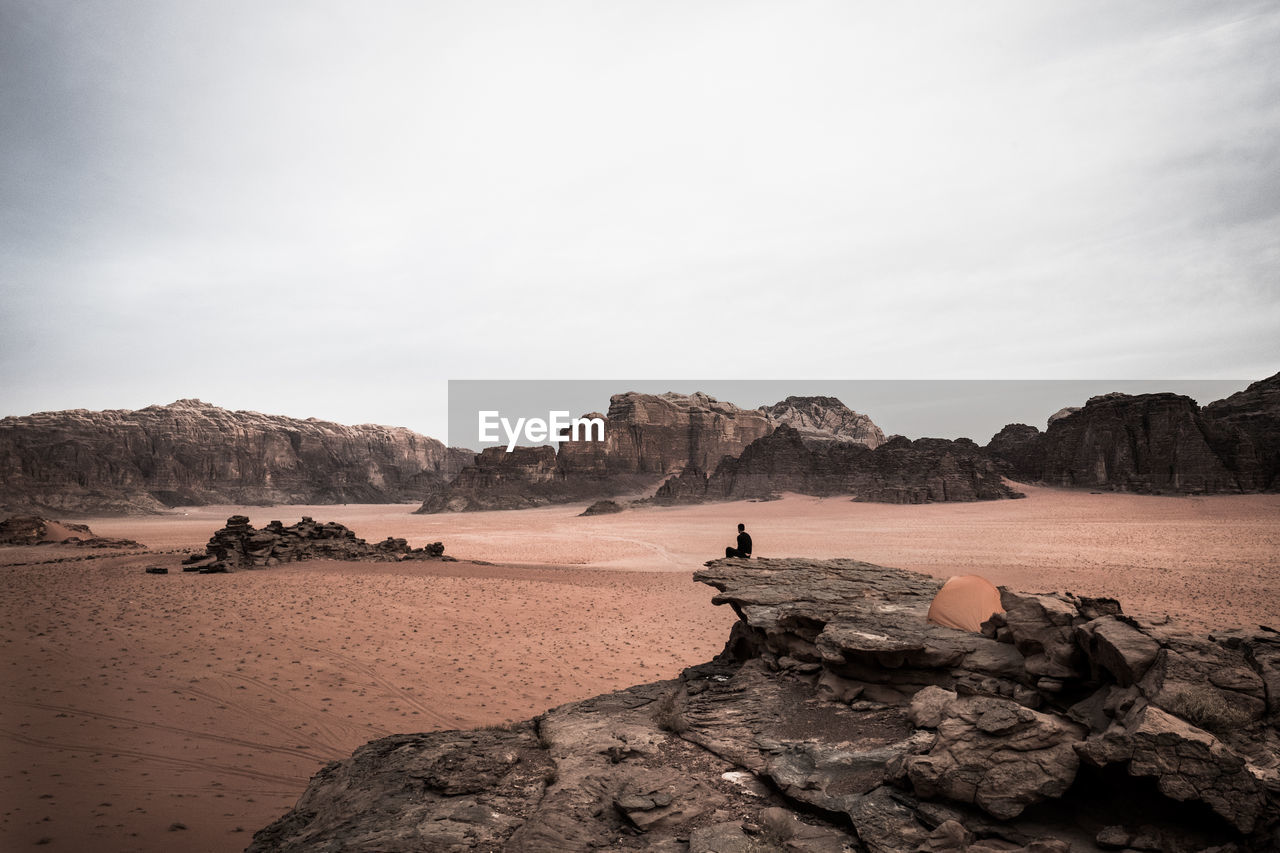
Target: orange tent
965	602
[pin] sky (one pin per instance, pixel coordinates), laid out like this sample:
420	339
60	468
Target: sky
332	209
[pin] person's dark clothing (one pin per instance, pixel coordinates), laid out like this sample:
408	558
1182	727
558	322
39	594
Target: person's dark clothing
744	546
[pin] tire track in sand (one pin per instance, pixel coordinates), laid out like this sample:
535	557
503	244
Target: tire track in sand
296	752
389	686
155	757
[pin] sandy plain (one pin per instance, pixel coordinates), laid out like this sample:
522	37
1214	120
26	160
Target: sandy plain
156	713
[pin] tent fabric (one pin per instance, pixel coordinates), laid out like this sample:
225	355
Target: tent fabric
965	602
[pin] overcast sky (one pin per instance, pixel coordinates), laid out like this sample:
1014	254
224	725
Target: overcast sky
331	209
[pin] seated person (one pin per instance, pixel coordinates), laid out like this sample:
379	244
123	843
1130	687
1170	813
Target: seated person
744	544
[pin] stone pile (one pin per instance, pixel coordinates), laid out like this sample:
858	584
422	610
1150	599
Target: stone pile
240	545
838	719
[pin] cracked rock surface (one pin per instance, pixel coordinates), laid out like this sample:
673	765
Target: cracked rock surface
838	719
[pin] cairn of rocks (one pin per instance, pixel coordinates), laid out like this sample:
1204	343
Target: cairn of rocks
239	545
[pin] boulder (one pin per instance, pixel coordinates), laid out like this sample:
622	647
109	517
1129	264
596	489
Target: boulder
839	718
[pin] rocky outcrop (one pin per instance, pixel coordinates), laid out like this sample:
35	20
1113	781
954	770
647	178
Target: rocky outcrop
192	453
603	508
1144	443
659	434
239	545
647	437
1254	413
1152	443
1019	451
825	419
525	477
838	718
33	530
897	471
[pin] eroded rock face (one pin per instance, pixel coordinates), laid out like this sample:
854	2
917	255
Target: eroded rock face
825	419
1255	412
1152	443
33	530
192	453
838	718
650	438
647	437
1019	449
897	471
1143	443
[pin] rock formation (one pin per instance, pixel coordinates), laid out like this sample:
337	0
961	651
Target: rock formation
647	437
708	450
1153	443
238	545
1255	412
837	718
897	471
603	508
1019	451
825	419
33	530
192	453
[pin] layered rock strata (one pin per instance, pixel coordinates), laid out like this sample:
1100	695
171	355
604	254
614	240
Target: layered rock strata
897	471
838	719
1153	443
192	453
648	438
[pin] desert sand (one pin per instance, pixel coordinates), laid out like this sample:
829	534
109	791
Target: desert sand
143	712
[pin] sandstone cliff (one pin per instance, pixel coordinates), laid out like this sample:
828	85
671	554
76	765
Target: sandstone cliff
1255	413
838	719
190	452
825	419
648	438
1153	443
897	471
1019	451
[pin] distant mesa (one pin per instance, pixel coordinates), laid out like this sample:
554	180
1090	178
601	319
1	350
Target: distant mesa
897	471
669	448
1153	443
649	438
34	530
191	453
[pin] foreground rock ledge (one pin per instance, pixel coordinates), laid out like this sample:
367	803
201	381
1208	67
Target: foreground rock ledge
838	719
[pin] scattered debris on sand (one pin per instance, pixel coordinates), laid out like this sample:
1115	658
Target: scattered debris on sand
239	545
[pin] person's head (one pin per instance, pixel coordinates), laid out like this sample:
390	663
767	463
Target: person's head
741	527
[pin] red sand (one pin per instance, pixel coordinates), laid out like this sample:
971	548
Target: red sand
131	703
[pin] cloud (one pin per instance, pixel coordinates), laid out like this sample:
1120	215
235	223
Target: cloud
230	201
